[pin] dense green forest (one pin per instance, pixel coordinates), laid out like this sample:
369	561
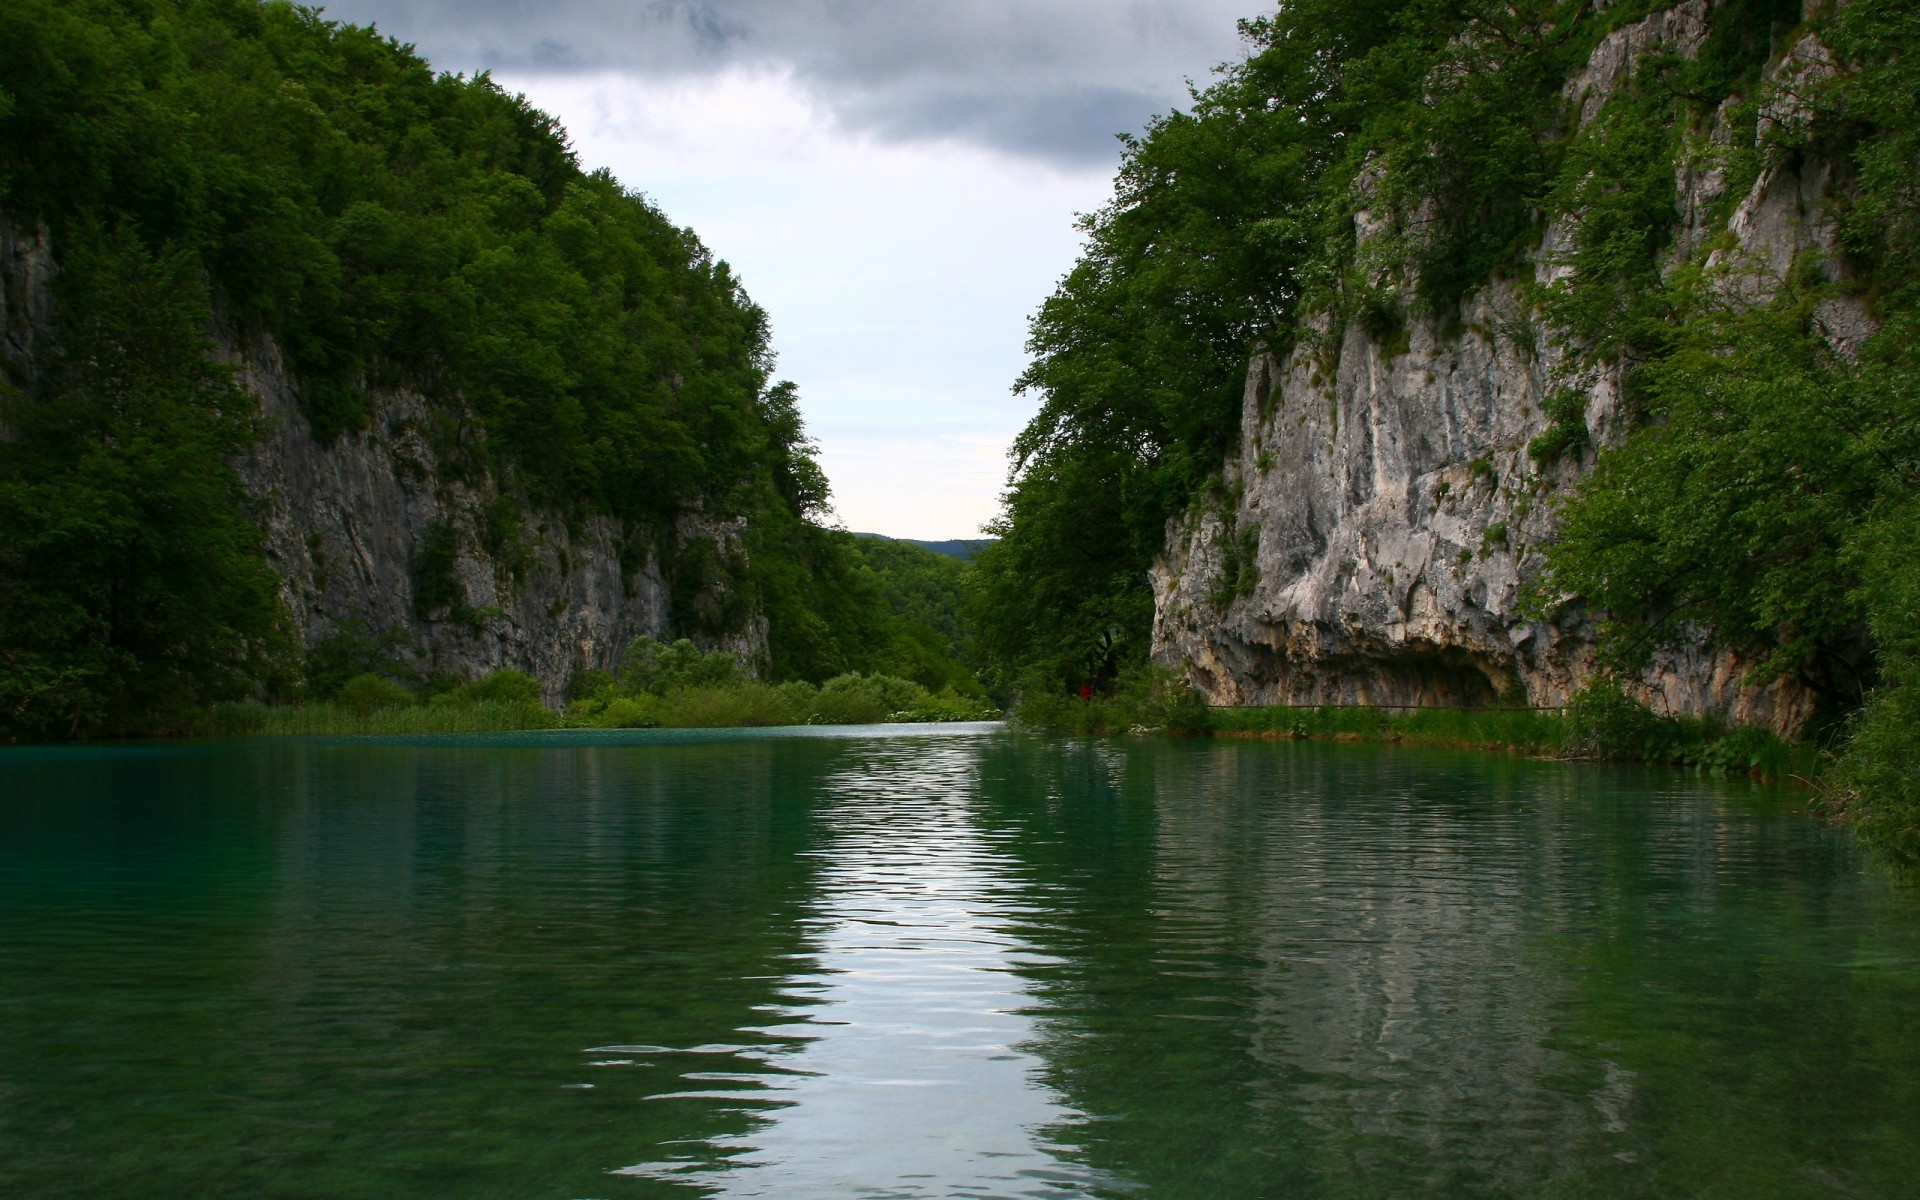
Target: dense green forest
203	166
1769	490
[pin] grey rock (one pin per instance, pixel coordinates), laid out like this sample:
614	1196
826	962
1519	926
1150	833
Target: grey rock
1395	514
344	523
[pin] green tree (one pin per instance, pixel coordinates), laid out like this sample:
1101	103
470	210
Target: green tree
131	578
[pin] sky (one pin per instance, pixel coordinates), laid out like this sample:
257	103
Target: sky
894	181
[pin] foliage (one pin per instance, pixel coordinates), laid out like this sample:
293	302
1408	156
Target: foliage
1769	464
392	226
253	719
682	685
370	693
134	586
1533	730
504	686
1601	723
1144	697
1232	230
1877	784
650	668
314	193
1732	512
836	602
350	650
1567	434
436	585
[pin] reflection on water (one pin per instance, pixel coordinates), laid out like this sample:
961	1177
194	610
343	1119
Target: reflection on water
906	1071
936	963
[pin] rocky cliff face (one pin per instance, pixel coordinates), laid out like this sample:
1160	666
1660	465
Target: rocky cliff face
381	528
401	529
1374	530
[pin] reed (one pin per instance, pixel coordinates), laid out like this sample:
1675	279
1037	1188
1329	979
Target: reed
332	720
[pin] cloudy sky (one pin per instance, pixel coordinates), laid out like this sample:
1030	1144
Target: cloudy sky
895	181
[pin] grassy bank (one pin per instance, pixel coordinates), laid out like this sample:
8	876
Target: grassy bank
1600	724
336	720
664	687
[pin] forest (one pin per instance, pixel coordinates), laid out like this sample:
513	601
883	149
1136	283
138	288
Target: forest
208	170
1767	491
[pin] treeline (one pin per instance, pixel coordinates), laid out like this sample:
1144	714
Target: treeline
226	168
1768	492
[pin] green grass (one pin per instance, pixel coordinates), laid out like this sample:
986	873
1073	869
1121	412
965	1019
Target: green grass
1601	723
331	720
1575	732
1538	730
850	700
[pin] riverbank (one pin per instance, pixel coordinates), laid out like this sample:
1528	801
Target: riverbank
1601	724
508	702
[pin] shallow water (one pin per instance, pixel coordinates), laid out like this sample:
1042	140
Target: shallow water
905	962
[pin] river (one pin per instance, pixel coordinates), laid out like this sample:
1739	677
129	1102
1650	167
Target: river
936	962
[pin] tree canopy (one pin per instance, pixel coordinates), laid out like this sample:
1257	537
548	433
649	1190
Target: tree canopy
226	169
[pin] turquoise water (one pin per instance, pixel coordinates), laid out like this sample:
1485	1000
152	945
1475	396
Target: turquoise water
904	962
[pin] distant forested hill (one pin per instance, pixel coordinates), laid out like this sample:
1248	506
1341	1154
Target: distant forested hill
202	199
961	548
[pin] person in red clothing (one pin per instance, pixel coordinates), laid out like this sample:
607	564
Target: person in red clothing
1086	693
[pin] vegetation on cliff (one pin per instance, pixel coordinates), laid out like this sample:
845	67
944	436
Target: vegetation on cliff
1766	494
226	169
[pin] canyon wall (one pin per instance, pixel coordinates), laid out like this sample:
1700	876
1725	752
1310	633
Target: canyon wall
1372	535
402	531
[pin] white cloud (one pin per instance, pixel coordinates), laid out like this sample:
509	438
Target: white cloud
894	182
898	276
1052	79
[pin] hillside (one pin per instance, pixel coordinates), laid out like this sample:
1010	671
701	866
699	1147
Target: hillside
1582	355
308	348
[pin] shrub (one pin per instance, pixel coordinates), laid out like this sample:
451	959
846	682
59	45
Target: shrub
1879	777
370	693
866	699
1603	722
1148	696
655	669
502	686
590	683
625	712
747	705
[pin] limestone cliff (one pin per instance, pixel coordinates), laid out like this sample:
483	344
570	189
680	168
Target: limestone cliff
403	529
353	529
1373	532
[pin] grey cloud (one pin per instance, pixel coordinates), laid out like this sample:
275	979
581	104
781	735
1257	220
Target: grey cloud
1068	124
1051	79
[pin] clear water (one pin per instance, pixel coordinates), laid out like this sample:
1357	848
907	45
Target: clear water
939	963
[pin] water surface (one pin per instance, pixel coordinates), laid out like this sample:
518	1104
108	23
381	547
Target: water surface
910	962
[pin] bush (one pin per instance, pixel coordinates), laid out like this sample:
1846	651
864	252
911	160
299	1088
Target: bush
370	693
1145	697
867	699
619	712
1878	780
951	705
798	695
1604	722
741	706
502	686
590	683
654	669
